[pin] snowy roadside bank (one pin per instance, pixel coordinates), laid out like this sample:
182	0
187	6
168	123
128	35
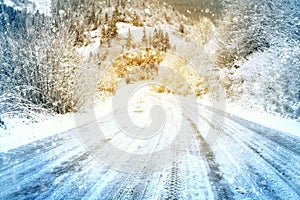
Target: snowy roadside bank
18	133
265	119
21	134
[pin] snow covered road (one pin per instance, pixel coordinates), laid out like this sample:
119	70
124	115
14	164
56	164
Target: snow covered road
248	161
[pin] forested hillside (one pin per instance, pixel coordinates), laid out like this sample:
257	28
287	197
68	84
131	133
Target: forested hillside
254	47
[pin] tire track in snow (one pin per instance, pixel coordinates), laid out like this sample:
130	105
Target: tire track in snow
247	152
39	170
133	186
219	184
249	149
289	142
173	183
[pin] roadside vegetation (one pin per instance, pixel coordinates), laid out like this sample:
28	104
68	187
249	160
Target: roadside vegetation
46	60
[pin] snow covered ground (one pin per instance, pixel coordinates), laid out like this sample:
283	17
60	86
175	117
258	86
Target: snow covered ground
18	133
248	160
224	154
231	154
265	119
43	6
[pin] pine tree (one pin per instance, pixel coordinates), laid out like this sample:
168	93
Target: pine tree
144	38
79	34
115	15
123	5
181	28
160	35
155	39
149	41
106	18
112	28
103	36
161	40
166	42
128	44
136	19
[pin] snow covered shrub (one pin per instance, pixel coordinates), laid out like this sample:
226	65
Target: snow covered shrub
258	54
251	26
269	81
37	66
244	30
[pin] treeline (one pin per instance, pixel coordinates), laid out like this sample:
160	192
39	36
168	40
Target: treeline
83	16
157	40
37	65
253	26
259	55
39	59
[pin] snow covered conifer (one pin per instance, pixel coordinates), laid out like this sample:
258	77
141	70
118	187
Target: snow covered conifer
112	28
103	36
166	42
144	38
181	28
106	18
154	40
136	19
149	41
128	44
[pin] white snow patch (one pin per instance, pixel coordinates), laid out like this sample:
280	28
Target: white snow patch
147	11
91	48
123	27
44	6
265	119
8	3
22	134
95	33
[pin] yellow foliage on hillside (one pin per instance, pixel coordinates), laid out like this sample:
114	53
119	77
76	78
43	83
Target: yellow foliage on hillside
132	66
178	76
